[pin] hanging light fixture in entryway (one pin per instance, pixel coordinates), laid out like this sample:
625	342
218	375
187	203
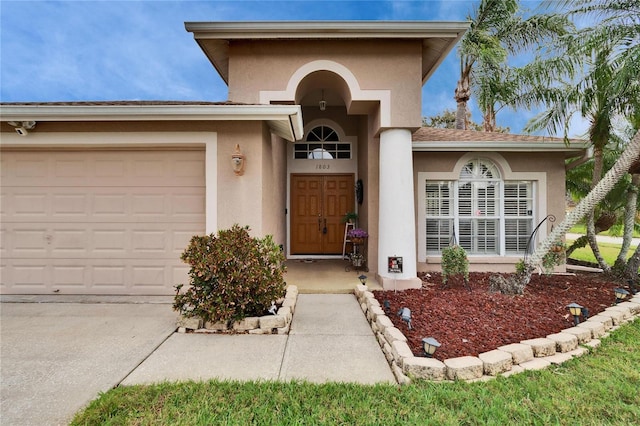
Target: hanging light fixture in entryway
322	103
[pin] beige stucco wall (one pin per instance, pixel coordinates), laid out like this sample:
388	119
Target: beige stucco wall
274	187
393	65
240	198
552	165
369	169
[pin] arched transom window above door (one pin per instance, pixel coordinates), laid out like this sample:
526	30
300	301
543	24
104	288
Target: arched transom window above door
322	143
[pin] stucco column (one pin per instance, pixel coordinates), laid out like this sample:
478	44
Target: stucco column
397	225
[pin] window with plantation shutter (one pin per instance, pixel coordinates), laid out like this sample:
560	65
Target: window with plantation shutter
518	213
487	215
438	214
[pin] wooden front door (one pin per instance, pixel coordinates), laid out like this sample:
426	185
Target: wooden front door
318	203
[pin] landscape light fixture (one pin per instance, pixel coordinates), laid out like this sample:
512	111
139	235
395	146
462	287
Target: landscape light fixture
387	306
429	345
621	294
575	310
405	315
363	279
322	103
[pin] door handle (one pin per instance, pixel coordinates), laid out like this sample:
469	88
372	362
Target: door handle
324	228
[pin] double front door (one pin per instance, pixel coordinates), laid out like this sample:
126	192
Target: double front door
318	204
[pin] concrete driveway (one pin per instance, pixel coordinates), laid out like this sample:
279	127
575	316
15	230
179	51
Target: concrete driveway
57	357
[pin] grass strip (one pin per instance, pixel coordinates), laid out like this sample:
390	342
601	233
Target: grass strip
600	388
609	252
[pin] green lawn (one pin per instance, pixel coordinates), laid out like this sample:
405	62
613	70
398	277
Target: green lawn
608	251
598	389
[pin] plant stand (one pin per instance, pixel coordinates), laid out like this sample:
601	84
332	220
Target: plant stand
358	256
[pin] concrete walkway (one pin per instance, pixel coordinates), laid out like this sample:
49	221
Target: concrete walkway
329	340
58	356
605	239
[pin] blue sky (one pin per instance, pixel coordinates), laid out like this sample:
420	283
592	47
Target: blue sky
137	49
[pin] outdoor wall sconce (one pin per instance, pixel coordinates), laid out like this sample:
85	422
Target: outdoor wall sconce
575	310
405	315
621	294
322	104
429	345
237	161
363	279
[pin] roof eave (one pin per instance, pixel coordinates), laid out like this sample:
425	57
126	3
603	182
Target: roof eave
213	37
284	120
573	149
254	30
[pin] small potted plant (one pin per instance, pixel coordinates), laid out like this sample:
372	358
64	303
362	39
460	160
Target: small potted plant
558	247
357	235
350	217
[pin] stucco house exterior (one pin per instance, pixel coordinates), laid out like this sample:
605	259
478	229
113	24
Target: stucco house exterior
102	197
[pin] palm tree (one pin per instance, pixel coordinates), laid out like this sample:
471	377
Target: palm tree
609	213
619	169
497	29
615	72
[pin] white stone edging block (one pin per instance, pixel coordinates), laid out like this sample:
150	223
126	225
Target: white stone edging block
267	324
531	354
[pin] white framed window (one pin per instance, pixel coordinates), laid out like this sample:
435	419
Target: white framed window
322	143
480	211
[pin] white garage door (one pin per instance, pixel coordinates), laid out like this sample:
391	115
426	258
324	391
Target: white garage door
98	222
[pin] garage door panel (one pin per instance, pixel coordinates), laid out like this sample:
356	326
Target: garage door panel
104	168
112	204
149	240
92	276
27	242
99	222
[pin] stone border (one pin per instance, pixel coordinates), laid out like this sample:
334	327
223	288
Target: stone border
533	354
267	324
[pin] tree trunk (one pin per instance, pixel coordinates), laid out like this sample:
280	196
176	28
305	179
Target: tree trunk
603	223
630	213
463	94
598	165
461	114
628	156
631	271
489	121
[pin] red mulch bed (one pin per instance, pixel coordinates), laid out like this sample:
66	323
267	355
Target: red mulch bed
469	323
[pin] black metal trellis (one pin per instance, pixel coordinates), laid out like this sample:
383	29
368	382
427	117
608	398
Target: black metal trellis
529	249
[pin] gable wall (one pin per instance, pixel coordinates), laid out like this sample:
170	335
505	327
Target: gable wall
377	65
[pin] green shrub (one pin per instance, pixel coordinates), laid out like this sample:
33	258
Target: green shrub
454	261
232	276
